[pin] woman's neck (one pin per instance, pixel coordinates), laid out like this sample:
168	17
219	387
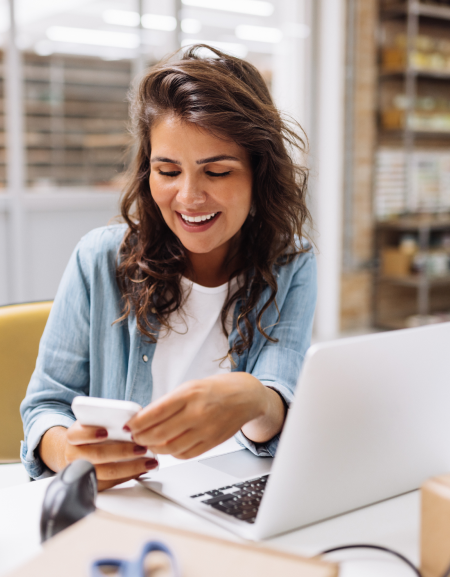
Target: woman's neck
214	268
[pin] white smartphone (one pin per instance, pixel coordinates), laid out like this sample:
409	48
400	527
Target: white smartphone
108	413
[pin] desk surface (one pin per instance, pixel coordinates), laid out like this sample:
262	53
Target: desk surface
393	523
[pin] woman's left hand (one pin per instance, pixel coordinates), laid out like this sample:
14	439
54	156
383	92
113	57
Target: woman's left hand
203	413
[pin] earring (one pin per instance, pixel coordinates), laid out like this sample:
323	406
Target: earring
252	209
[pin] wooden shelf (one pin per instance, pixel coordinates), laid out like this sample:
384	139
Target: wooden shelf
391	324
395	132
427	10
416	281
416	222
421	73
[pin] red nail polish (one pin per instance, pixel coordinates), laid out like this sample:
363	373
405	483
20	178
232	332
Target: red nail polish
139	450
101	433
151	464
127	429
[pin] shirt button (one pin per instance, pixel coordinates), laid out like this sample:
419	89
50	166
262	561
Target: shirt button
144	358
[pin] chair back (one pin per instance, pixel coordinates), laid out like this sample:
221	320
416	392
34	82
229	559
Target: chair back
21	328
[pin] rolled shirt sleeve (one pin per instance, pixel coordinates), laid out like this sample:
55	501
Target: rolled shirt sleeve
62	367
278	364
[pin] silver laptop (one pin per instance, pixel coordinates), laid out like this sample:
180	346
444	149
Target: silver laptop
370	421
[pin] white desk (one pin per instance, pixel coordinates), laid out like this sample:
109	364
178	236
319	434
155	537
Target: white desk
393	523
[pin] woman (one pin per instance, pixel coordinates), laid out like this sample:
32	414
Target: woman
200	306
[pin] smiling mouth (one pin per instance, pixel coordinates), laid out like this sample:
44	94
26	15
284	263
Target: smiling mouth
199	220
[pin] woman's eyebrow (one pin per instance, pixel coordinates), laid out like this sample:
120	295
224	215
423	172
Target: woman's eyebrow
217	159
201	161
163	159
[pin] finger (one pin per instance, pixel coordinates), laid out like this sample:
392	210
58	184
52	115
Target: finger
126	469
195	451
179	444
106	452
173	427
156	413
208	442
103	485
79	434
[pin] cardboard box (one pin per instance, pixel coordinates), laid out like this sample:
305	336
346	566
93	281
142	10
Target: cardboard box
435	527
101	535
395	262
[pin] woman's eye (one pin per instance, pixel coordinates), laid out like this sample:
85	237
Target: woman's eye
172	173
209	173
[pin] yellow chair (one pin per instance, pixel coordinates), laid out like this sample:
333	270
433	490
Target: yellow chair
21	328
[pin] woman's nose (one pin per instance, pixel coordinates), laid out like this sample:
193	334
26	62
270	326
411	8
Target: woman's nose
191	192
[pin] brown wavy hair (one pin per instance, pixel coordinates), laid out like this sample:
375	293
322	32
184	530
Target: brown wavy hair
228	97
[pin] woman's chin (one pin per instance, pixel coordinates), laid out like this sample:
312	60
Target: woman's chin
199	248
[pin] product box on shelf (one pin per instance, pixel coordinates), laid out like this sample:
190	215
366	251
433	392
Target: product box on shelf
435	527
395	262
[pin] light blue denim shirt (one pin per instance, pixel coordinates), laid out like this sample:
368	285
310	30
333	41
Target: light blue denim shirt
83	353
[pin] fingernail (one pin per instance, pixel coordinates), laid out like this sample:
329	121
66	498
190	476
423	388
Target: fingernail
151	464
139	450
101	433
127	429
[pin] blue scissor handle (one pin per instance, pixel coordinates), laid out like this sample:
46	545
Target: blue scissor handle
135	568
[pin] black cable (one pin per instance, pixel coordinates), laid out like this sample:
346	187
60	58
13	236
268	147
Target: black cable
385	550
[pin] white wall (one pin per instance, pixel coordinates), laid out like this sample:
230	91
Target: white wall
52	225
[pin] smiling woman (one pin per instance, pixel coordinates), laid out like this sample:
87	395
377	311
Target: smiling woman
200	306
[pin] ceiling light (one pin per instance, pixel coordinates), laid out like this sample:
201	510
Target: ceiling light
47	47
259	33
93	37
191	25
239	50
121	17
254	7
159	22
149	21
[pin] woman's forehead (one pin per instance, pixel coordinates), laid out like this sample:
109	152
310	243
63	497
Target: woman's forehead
172	132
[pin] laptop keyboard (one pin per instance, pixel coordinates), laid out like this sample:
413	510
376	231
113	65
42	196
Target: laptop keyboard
240	500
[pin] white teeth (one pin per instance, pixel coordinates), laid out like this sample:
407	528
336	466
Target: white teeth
198	218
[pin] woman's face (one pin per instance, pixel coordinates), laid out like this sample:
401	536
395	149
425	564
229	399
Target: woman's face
201	184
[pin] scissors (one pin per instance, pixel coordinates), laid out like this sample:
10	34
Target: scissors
135	568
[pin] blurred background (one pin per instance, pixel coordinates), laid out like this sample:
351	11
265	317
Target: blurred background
369	81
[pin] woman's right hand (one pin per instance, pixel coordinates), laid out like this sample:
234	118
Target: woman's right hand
114	461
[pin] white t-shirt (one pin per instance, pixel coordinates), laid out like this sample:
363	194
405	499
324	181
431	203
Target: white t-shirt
196	346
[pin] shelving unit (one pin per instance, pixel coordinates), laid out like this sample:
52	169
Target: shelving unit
403	296
414	131
76	120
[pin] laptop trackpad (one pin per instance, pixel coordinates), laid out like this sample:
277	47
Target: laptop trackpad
241	464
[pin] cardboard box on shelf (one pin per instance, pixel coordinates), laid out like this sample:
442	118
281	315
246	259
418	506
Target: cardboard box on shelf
395	262
435	527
